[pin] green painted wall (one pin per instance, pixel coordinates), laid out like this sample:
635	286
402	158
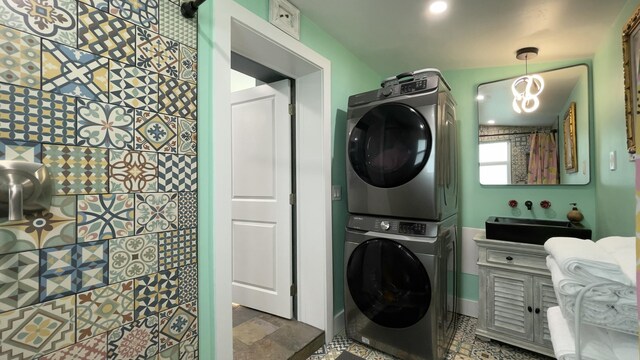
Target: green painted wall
205	185
614	189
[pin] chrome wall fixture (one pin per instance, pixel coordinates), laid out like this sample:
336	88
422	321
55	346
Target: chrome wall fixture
24	186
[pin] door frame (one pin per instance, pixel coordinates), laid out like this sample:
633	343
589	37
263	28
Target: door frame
238	29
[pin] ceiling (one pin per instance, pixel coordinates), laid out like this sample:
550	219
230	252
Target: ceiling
398	36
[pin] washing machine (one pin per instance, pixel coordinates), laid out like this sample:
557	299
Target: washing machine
400	285
402	149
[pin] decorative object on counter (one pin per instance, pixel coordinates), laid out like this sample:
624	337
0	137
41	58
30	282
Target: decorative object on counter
574	215
527	88
630	47
513	203
528	204
545	204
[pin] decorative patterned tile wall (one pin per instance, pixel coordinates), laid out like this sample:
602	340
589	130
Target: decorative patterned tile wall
103	93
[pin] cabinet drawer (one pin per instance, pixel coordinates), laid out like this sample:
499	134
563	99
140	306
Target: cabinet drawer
516	259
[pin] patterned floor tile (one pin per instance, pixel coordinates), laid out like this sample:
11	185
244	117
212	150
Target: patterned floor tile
187	210
172	353
102	217
156	212
177	248
69	71
138	340
132	86
21	151
104	125
98	4
18	280
67	270
133	171
106	35
41	229
21	117
146	296
19	58
188	283
37	329
51	19
189	349
144	14
177	97
177	27
188	64
177	172
156	132
90	349
187	132
132	257
77	170
177	324
168	289
104	309
157	53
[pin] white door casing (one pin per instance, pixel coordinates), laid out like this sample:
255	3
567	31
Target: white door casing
261	183
237	29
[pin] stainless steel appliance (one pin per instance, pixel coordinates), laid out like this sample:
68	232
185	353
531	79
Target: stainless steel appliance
402	149
400	285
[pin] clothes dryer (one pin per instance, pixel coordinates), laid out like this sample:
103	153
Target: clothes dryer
402	149
400	285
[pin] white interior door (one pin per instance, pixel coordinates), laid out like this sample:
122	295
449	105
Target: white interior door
261	213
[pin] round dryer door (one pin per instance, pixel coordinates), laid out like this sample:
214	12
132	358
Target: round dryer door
389	145
388	283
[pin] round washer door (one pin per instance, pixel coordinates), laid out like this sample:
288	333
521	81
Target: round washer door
388	283
389	145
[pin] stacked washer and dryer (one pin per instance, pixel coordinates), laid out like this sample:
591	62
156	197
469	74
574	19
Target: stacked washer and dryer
402	232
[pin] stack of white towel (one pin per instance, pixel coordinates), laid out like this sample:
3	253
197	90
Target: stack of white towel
611	305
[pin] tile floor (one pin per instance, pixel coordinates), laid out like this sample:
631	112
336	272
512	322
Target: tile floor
465	346
263	336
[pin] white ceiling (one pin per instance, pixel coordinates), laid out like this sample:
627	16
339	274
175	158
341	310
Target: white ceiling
394	36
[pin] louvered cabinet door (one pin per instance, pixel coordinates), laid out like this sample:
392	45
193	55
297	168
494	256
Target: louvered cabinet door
544	297
509	294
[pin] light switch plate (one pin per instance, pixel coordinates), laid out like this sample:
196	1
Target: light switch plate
612	160
285	17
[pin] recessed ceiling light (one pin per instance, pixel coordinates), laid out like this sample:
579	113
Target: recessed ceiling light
491	122
480	97
438	7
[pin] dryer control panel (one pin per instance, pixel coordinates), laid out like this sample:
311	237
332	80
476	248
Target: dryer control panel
411	228
393	226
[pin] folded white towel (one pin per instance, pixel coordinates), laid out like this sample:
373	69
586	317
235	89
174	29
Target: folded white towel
625	346
623	250
594	340
584	261
601	305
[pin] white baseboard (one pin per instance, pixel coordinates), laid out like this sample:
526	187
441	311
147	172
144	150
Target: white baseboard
468	307
338	323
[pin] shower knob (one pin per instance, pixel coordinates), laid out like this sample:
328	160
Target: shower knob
384	225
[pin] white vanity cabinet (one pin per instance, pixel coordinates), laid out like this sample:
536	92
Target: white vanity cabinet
515	293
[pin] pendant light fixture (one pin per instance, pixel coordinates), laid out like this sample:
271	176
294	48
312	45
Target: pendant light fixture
527	88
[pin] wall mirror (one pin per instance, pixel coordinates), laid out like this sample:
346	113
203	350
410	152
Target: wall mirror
547	146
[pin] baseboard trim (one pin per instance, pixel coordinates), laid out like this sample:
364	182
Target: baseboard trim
338	323
467	307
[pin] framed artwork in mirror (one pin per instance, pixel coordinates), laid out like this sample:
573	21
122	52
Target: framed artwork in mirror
285	17
569	132
631	63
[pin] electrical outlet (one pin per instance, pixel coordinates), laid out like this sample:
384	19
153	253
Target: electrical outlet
336	192
612	160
